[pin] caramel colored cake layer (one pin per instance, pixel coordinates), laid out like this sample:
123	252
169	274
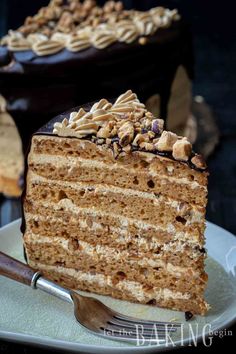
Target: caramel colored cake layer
115	216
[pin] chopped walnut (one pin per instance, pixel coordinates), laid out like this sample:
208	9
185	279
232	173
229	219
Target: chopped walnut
151	134
65	23
157	126
149	115
147	123
126	133
138	139
116	149
166	141
127	148
108	141
118	6
46	31
89	4
49	13
147	146
105	131
199	162
100	141
74	6
56	2
95	22
143	40
109	6
137	114
182	149
27	29
29	20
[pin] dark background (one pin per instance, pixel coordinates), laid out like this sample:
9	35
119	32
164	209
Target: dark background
213	26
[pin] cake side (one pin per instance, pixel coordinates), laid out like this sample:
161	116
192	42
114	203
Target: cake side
130	225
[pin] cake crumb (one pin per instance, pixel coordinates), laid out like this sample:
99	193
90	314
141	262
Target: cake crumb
142	40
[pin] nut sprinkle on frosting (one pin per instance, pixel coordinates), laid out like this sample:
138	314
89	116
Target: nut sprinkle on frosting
76	26
126	126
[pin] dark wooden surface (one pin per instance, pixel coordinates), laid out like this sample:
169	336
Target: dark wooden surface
215	48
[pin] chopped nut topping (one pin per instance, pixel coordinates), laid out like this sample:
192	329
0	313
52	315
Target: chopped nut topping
108	141
166	141
138	139
142	40
100	141
157	125
126	133
108	24
147	146
127	148
116	126
116	149
104	131
182	149
199	162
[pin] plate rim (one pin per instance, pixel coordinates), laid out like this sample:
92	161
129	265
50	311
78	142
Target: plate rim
48	342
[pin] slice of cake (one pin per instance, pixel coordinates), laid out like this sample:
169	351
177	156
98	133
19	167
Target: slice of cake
116	206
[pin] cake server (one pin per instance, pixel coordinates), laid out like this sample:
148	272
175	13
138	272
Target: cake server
90	312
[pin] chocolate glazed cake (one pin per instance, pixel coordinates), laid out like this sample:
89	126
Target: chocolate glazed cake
116	206
72	52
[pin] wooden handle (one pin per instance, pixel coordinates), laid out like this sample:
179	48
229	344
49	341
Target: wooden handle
11	268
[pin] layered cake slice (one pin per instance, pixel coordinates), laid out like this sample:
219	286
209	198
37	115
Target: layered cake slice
115	205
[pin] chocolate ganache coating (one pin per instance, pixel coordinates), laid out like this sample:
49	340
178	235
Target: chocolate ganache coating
39	87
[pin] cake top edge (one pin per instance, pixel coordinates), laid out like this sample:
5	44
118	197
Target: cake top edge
125	126
76	26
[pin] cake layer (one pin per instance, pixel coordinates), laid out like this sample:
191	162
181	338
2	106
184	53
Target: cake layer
140	170
123	289
123	231
175	252
154	269
145	206
74	169
66	211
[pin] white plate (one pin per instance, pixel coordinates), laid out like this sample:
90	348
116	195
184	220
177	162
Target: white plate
31	316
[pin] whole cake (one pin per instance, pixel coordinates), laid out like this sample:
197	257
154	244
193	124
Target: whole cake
71	52
115	205
11	157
